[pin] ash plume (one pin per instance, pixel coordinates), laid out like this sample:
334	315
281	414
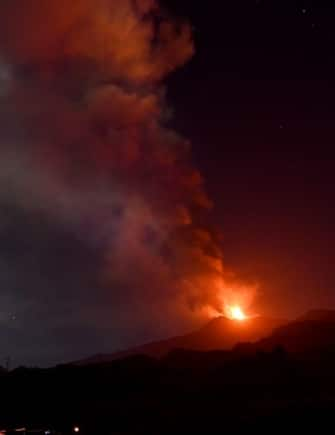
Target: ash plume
98	194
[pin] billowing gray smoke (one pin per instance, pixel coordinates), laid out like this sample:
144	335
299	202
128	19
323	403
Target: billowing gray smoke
98	243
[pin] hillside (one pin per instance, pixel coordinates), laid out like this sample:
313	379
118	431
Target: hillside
220	333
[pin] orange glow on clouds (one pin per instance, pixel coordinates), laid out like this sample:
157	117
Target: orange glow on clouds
233	301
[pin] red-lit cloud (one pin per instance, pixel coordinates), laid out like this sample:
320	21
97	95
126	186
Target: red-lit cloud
86	143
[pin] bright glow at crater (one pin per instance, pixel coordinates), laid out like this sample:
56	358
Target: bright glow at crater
236	313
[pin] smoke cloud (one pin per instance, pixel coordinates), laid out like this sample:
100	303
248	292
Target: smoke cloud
98	196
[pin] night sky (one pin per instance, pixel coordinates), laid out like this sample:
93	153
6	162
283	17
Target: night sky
257	102
107	237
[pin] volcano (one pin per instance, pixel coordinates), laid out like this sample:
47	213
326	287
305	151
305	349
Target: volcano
311	333
220	333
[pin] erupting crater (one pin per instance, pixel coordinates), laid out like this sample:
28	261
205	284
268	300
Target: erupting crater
235	312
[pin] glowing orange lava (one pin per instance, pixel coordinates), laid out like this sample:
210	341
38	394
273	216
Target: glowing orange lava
236	313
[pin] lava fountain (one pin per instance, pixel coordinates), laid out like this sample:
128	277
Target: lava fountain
235	312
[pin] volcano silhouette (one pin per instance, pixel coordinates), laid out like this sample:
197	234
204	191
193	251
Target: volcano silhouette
220	333
313	332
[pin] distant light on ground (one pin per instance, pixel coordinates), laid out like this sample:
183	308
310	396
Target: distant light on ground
76	429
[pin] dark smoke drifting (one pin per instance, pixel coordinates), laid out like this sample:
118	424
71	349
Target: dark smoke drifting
97	193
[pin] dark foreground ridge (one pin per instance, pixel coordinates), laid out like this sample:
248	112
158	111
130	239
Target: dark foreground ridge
284	383
220	333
